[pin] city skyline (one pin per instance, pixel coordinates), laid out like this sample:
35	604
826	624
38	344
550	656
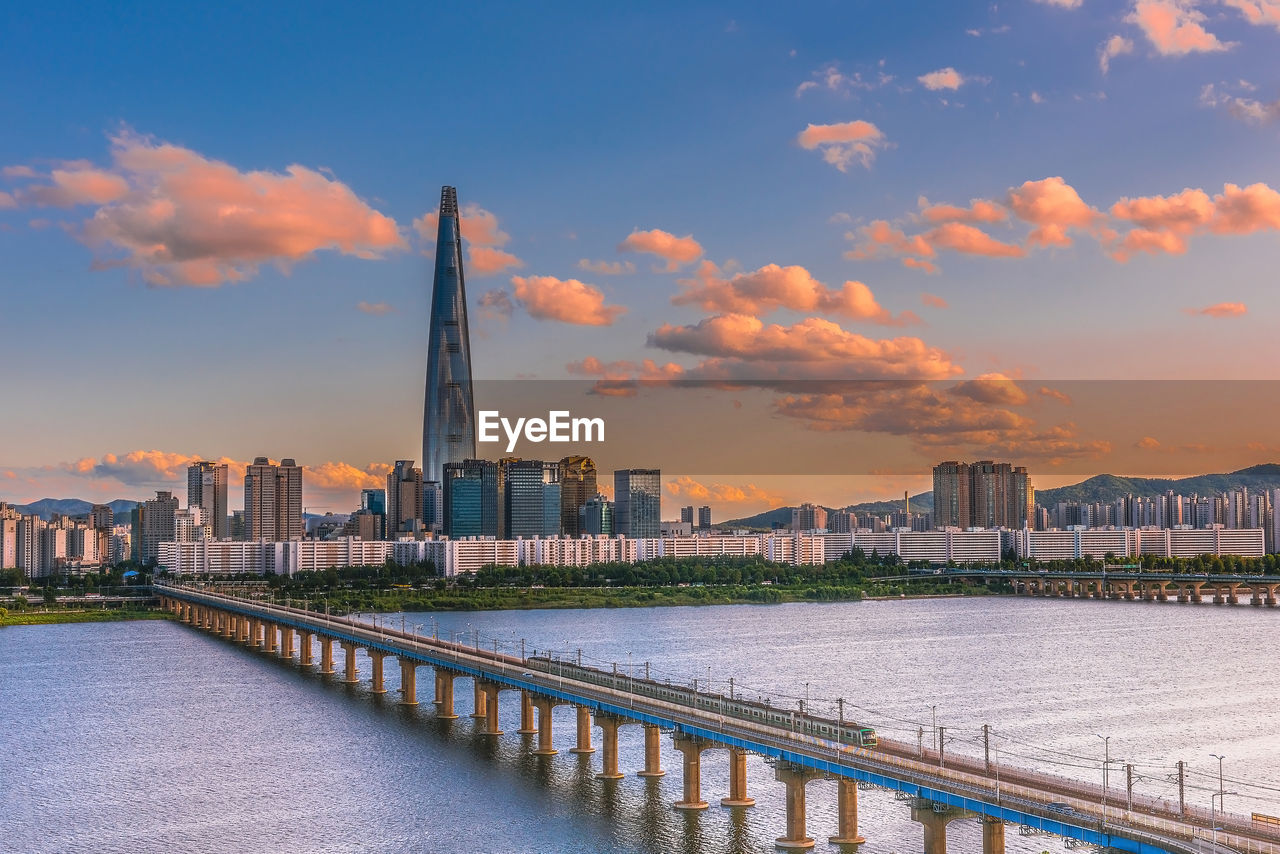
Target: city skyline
902	187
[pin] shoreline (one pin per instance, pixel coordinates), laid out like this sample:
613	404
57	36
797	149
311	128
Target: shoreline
107	615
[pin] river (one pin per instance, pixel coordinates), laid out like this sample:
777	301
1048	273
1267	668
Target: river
153	737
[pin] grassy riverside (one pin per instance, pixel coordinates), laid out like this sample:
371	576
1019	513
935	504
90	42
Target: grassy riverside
105	615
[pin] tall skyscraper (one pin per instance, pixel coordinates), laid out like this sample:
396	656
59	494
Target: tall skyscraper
985	494
273	501
404	499
637	499
686	514
704	516
207	489
530	488
155	525
577	487
951	505
472	499
449	416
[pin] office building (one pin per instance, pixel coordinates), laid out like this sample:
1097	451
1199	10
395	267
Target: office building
449	417
207	489
637	500
704	517
686	514
155	525
404	499
577	486
531	498
273	501
596	517
472	492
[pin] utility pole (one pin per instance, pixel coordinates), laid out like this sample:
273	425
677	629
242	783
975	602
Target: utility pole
1128	782
942	744
1182	789
986	746
920	744
840	703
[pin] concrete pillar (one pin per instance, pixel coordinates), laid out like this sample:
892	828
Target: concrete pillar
490	692
652	752
584	732
692	749
737	780
479	700
544	748
408	682
847	813
286	642
992	835
935	825
273	644
444	690
794	777
225	628
349	674
326	655
243	626
527	725
609	745
306	652
379	684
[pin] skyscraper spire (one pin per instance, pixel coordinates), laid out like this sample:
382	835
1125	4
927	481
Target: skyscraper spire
448	429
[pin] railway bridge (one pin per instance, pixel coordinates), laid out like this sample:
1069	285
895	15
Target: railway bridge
799	745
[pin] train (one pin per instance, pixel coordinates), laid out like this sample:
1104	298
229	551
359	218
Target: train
817	730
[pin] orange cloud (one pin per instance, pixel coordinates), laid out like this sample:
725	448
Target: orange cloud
339	476
1054	394
934	301
71	187
971	240
486	261
1257	12
813	347
979	210
842	144
1147	443
565	300
374	308
1175	27
1165	222
141	468
623	378
1222	309
478	226
1053	206
721	493
606	268
677	251
773	287
943	78
992	388
1111	48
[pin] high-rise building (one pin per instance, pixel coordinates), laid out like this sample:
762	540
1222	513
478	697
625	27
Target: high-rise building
704	516
155	523
577	486
637	502
207	489
809	517
191	526
374	500
952	507
985	494
404	499
686	514
597	516
528	490
472	499
449	417
273	501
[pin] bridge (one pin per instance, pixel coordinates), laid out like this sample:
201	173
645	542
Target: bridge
800	745
1256	590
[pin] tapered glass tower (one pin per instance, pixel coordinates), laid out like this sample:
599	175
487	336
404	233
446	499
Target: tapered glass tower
449	419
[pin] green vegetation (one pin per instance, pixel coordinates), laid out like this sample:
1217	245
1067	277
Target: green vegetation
104	615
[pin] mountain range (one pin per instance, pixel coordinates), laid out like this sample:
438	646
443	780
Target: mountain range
45	508
1102	487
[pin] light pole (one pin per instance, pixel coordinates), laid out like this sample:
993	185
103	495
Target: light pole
1213	815
1106	763
934	708
1220	788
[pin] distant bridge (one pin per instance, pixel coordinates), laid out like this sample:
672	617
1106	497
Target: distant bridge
800	746
1257	590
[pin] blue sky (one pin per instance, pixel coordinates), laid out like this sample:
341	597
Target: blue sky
575	126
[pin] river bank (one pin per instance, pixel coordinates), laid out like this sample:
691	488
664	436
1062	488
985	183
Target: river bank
106	615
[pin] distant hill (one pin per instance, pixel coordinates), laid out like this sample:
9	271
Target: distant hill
1102	487
1108	487
45	508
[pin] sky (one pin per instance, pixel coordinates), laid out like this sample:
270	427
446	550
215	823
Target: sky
1052	224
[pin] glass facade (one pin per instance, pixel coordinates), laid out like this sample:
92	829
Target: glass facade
637	497
449	417
471	505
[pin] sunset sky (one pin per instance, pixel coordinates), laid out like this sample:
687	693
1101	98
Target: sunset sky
216	227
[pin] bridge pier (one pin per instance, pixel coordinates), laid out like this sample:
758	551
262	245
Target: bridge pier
544	707
992	835
286	642
794	777
847	813
737	780
584	733
480	698
408	682
692	748
489	690
227	621
444	693
935	818
349	675
326	655
376	657
306	653
527	725
609	746
652	752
